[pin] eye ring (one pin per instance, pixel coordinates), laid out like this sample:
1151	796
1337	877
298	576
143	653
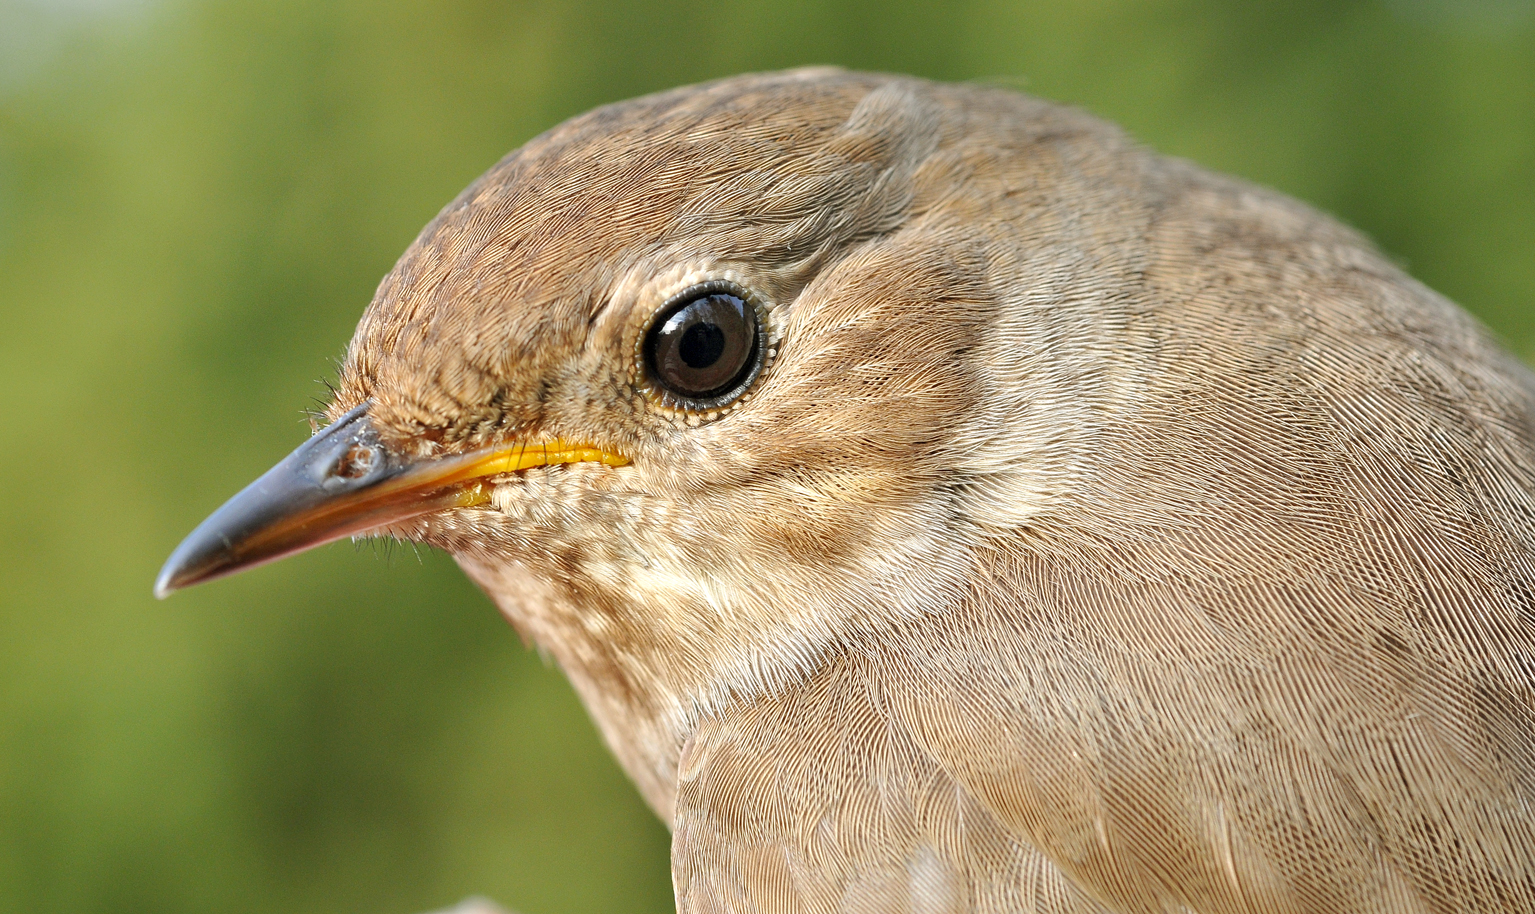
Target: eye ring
704	348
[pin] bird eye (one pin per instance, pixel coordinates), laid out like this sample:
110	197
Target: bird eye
704	347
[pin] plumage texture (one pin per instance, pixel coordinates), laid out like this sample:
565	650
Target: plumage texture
1102	535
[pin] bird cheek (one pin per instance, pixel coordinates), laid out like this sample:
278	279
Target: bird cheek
576	505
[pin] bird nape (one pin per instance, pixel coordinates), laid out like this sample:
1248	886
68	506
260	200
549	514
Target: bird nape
942	504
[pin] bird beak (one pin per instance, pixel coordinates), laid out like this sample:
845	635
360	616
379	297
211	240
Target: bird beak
344	482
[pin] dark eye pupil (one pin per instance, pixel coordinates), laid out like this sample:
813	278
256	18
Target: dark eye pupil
701	345
704	348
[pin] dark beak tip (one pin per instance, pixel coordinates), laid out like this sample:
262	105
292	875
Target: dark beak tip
166	583
163	587
193	561
284	511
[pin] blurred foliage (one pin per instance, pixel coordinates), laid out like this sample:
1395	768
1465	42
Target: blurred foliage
196	200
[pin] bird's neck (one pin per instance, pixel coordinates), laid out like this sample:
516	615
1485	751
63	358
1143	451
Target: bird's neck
652	651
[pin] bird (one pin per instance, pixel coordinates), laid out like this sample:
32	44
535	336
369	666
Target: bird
943	503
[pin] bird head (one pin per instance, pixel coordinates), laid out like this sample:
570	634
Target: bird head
701	384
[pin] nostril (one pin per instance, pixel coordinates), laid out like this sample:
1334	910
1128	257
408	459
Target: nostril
356	463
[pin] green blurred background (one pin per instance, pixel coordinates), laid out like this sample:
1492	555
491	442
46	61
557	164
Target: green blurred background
196	201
